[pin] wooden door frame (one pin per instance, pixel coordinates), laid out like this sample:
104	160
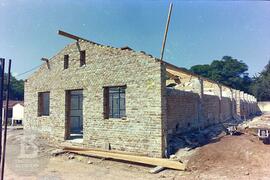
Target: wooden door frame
67	111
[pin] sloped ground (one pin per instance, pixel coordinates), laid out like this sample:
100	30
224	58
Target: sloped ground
224	157
233	157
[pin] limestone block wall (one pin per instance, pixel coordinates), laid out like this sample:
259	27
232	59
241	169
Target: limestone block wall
238	103
200	103
248	105
153	111
226	109
142	129
182	110
210	110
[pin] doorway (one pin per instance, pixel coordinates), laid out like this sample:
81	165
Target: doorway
74	114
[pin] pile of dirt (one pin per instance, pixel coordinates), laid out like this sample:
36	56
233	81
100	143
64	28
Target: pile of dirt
234	155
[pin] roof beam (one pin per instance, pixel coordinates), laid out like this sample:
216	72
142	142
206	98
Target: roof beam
47	62
187	72
71	36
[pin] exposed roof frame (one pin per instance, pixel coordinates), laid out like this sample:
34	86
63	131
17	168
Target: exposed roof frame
182	70
168	65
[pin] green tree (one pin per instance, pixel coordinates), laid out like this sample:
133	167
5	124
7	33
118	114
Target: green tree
228	71
261	84
16	88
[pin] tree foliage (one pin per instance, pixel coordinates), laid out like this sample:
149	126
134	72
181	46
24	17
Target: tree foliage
228	71
16	88
261	84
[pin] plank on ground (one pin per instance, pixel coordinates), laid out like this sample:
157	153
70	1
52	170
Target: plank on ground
72	148
138	159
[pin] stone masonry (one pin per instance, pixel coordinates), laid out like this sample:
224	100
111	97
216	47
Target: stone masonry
153	111
190	106
139	132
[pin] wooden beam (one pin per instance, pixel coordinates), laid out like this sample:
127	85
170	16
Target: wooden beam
166	31
71	36
171	83
177	73
69	148
47	62
131	158
172	76
187	72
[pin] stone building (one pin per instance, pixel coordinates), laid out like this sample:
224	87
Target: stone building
119	99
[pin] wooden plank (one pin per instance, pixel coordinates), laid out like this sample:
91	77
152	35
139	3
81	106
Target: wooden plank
131	158
71	148
178	74
187	72
71	36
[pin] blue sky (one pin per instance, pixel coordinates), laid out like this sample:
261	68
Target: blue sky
199	31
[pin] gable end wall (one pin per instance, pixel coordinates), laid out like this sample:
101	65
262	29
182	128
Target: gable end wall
140	132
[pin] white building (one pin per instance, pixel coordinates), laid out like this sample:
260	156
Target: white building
15	112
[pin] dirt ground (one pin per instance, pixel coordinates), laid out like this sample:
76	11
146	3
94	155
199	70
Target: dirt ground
227	157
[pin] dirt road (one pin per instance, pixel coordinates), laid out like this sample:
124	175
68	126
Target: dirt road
230	157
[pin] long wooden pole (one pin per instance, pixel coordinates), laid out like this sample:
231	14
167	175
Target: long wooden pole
166	152
166	31
2	75
6	121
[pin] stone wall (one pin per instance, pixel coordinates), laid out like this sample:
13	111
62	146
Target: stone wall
153	111
210	110
182	110
198	103
142	129
226	109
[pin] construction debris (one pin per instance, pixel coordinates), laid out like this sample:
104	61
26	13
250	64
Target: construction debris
57	152
71	156
260	126
89	162
156	170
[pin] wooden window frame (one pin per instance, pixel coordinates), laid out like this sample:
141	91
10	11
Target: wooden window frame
82	58
40	104
66	61
106	102
106	107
